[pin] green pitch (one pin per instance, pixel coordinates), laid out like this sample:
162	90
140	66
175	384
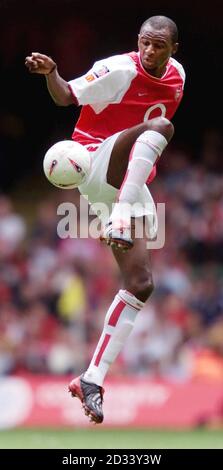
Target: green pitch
97	438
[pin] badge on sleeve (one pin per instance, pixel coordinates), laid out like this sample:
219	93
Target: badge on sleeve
90	77
102	71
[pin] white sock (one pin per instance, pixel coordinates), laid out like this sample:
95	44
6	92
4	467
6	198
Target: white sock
118	325
145	152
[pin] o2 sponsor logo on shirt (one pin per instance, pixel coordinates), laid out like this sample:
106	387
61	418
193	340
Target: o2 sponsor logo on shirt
160	106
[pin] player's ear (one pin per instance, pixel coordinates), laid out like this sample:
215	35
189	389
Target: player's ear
175	48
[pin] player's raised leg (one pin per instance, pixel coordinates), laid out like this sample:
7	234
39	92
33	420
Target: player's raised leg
118	324
133	157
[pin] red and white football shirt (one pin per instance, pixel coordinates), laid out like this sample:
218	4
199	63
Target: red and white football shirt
117	93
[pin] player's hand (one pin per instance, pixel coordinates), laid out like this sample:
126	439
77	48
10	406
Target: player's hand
40	63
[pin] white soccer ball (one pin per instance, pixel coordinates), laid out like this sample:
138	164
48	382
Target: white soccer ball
67	164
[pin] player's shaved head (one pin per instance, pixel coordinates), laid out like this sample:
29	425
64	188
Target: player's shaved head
159	23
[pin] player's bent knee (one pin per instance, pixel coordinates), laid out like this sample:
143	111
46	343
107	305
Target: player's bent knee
163	126
167	127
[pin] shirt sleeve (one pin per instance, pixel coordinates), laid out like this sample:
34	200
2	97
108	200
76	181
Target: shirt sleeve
105	83
180	70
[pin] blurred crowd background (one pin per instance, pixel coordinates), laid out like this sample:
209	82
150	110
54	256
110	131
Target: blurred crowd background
54	293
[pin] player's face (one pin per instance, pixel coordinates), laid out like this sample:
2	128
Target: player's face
155	48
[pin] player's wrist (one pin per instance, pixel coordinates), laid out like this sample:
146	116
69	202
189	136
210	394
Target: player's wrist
54	67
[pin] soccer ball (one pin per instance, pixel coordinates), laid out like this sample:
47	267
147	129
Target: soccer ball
67	164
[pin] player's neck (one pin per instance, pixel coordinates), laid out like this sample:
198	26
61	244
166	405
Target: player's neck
158	72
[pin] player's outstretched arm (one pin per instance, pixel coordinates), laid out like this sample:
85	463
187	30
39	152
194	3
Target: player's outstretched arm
57	86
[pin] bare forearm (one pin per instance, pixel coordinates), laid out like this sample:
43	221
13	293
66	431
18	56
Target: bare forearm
59	89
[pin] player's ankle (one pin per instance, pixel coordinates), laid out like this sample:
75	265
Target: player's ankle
93	376
121	215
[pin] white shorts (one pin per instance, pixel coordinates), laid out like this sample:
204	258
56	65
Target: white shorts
97	190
